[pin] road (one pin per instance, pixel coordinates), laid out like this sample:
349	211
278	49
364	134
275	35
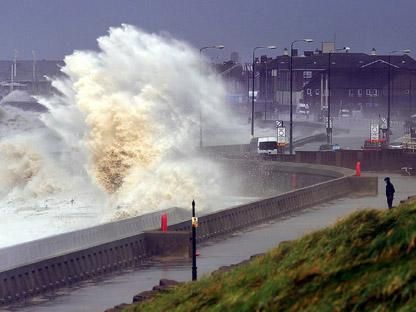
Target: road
112	290
358	132
349	133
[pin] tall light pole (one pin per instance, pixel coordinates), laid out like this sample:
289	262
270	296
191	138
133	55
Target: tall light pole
194	226
406	51
266	95
291	91
219	46
272	47
248	84
328	126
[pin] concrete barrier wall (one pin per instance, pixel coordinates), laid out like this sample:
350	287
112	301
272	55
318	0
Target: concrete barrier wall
229	220
26	253
386	159
265	179
62	271
129	247
301	168
170	244
254	166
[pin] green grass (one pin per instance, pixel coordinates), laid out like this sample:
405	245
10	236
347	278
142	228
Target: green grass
366	262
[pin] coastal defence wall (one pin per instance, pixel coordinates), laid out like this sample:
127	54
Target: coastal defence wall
229	220
57	245
370	159
81	255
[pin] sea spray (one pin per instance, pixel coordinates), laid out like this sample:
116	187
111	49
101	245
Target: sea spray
122	127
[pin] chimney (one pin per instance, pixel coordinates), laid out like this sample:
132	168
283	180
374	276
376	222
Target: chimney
373	51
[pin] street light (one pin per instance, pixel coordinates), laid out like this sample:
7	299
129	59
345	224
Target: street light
328	126
272	47
405	51
291	90
266	95
219	46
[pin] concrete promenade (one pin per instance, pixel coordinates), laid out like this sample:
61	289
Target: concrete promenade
105	293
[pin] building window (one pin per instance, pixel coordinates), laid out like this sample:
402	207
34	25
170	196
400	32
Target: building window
375	92
360	92
307	74
350	92
368	92
317	91
309	91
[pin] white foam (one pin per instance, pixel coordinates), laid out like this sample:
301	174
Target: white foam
119	138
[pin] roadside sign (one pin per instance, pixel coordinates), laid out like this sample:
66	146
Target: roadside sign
374	132
279	123
281	136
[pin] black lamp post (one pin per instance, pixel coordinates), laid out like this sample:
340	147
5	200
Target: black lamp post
291	91
253	75
266	91
200	108
194	226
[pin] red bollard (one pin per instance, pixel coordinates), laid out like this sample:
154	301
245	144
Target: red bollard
164	222
358	169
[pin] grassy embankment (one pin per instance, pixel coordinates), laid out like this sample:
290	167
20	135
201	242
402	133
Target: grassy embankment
366	262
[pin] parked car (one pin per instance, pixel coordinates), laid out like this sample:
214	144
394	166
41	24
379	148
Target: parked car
396	145
329	147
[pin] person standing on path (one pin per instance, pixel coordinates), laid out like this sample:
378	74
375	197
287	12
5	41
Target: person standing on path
389	192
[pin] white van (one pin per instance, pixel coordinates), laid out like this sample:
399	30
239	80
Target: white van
267	145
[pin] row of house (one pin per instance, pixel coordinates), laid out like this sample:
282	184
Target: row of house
355	81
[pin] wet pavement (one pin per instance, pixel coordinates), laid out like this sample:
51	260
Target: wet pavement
358	132
112	290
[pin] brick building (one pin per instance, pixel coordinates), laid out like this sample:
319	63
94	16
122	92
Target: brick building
355	81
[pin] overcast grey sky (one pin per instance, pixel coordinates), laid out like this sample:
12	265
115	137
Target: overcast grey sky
54	28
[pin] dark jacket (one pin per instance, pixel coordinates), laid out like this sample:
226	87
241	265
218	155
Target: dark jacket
389	189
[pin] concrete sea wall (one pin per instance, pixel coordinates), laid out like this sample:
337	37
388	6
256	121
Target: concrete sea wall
371	160
46	265
232	219
46	248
